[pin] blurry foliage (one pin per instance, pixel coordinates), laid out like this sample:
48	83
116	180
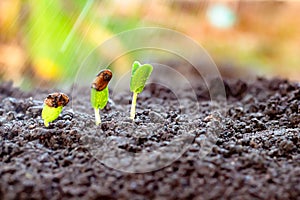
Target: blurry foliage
265	38
57	43
9	9
48	40
56	36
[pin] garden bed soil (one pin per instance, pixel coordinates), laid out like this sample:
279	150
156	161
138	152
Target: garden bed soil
255	154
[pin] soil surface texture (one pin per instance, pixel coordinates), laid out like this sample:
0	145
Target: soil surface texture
254	153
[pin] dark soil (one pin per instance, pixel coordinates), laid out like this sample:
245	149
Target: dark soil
254	155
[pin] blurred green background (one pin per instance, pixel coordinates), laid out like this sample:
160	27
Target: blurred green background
45	42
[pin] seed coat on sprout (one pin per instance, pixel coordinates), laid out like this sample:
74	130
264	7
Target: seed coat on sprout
53	106
100	93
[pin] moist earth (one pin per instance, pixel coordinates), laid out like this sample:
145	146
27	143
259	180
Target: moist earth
165	153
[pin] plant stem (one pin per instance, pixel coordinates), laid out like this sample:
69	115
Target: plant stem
97	116
46	123
133	105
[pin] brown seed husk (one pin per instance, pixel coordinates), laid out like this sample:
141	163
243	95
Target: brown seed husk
102	80
56	99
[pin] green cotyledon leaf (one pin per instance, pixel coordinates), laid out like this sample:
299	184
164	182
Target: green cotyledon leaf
139	76
49	114
99	98
135	66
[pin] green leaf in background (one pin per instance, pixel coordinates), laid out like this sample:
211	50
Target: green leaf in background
59	35
99	98
139	76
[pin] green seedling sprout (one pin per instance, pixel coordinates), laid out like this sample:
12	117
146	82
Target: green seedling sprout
139	76
53	106
99	92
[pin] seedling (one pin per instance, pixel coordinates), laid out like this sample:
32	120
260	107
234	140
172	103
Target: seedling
99	92
53	106
139	76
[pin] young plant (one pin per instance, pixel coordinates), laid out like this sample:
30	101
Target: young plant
99	92
139	76
53	105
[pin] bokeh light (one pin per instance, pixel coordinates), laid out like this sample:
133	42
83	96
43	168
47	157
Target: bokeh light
43	43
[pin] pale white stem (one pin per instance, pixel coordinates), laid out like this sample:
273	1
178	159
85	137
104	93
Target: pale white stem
133	105
97	116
